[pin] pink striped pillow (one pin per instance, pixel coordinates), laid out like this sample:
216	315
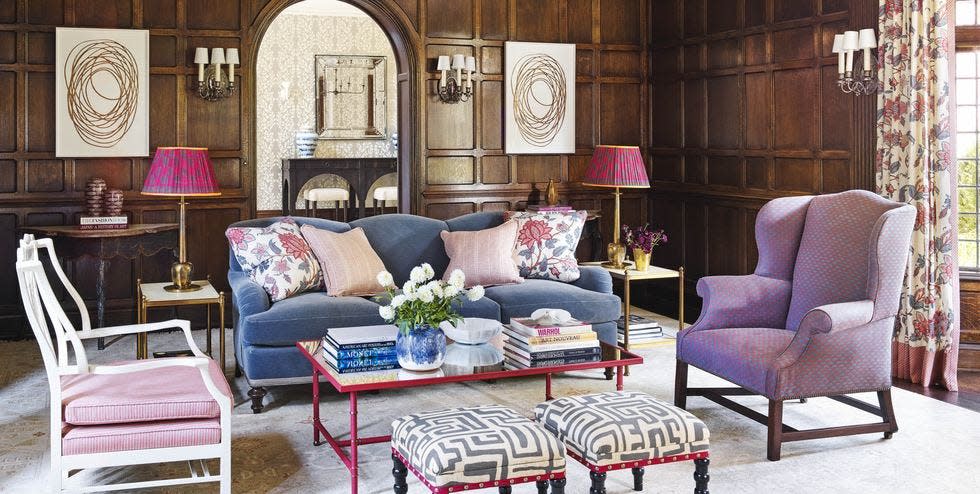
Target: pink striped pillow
485	256
349	264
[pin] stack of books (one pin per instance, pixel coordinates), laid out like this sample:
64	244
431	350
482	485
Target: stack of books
533	345
103	222
643	331
360	349
544	208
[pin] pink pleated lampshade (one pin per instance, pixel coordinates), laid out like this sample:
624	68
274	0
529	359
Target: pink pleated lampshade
616	166
181	171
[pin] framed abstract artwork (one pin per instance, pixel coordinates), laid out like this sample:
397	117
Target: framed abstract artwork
102	79
539	102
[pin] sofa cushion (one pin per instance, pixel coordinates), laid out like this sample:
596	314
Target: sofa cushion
162	394
404	241
307	317
484	308
349	264
89	439
522	299
485	256
546	243
277	258
741	355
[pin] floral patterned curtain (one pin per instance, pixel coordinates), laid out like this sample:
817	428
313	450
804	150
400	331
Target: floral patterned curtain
915	165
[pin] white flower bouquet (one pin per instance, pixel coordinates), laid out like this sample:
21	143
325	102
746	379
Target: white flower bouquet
424	301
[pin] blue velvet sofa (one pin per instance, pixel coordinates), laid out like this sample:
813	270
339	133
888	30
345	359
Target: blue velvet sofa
266	333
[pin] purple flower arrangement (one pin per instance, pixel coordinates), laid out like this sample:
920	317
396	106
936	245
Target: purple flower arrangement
643	238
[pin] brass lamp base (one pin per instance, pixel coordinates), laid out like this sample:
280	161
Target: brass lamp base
616	253
180	273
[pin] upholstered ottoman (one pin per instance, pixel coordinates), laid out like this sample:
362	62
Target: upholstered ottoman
626	429
474	448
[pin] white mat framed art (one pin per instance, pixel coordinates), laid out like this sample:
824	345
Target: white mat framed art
539	102
102	79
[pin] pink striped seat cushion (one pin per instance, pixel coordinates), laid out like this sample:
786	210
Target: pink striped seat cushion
144	435
159	394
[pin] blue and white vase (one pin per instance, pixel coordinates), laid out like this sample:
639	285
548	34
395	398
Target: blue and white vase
423	348
305	142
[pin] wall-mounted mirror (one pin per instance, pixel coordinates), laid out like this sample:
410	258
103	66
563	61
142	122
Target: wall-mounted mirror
350	97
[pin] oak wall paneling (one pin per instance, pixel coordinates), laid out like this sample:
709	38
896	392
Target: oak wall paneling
37	188
746	109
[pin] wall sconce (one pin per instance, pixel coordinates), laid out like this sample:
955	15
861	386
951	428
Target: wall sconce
846	47
452	89
211	85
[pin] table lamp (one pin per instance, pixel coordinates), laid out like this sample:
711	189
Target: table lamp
181	172
617	167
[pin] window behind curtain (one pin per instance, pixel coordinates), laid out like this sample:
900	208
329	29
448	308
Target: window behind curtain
968	130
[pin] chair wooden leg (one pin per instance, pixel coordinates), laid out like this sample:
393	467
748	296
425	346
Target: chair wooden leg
680	385
315	214
888	412
598	483
399	472
306	208
505	489
701	476
638	479
775	425
558	486
542	486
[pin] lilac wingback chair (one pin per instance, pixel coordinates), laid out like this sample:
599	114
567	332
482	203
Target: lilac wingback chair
816	317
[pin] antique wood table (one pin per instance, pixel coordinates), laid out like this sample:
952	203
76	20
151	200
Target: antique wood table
136	240
354	383
360	173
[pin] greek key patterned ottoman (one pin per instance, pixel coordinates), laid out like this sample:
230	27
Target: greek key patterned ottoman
473	448
626	429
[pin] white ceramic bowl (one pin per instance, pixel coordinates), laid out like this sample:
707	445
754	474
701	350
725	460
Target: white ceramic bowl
472	330
469	356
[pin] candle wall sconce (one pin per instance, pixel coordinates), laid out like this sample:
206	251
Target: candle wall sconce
452	89
848	46
212	85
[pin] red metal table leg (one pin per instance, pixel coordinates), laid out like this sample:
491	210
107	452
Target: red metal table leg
547	387
316	406
353	442
619	378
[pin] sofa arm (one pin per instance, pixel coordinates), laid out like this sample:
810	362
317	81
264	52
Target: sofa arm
594	278
247	296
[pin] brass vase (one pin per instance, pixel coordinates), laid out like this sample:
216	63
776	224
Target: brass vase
641	260
551	193
616	253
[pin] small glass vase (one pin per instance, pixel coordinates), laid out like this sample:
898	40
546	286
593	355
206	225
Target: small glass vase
423	348
641	260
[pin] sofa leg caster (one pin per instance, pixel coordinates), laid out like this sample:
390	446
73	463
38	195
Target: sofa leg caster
257	394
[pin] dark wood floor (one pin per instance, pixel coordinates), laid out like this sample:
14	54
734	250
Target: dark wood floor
967	397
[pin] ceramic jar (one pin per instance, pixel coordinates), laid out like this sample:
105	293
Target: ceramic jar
422	348
305	142
113	202
94	200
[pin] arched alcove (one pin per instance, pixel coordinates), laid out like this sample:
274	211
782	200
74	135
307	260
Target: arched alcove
405	46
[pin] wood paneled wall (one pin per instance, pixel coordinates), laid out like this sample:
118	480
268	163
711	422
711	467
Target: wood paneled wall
745	109
37	188
465	168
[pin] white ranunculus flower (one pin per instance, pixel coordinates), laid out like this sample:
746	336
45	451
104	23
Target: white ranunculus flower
457	279
409	287
475	293
398	300
427	269
387	312
417	275
450	291
386	279
425	294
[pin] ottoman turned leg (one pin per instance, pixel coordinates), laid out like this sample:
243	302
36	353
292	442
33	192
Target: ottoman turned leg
400	472
638	479
542	486
558	486
505	489
701	476
598	482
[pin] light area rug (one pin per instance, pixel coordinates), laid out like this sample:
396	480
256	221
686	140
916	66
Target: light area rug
935	450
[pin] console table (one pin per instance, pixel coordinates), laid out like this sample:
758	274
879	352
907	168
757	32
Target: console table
360	173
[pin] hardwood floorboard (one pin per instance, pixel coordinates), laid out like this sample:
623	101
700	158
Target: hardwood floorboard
967	397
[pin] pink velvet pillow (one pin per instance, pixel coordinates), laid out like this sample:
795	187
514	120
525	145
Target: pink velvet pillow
485	256
350	265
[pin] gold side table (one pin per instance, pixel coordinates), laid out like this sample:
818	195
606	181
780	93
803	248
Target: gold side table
628	275
151	295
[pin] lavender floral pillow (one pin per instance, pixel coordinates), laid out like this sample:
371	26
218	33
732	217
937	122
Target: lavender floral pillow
546	244
276	257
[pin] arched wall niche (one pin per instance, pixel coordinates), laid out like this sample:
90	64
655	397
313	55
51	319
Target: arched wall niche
407	48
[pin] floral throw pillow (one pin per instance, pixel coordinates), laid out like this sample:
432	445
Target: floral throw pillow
546	243
276	257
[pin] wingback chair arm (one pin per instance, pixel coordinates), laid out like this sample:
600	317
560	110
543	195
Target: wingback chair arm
183	325
201	363
825	320
247	296
748	301
594	278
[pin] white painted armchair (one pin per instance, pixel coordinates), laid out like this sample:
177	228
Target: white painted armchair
123	413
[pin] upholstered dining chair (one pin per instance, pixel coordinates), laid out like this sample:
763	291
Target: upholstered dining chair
814	319
122	413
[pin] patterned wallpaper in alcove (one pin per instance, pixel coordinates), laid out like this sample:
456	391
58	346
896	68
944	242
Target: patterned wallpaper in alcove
286	99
